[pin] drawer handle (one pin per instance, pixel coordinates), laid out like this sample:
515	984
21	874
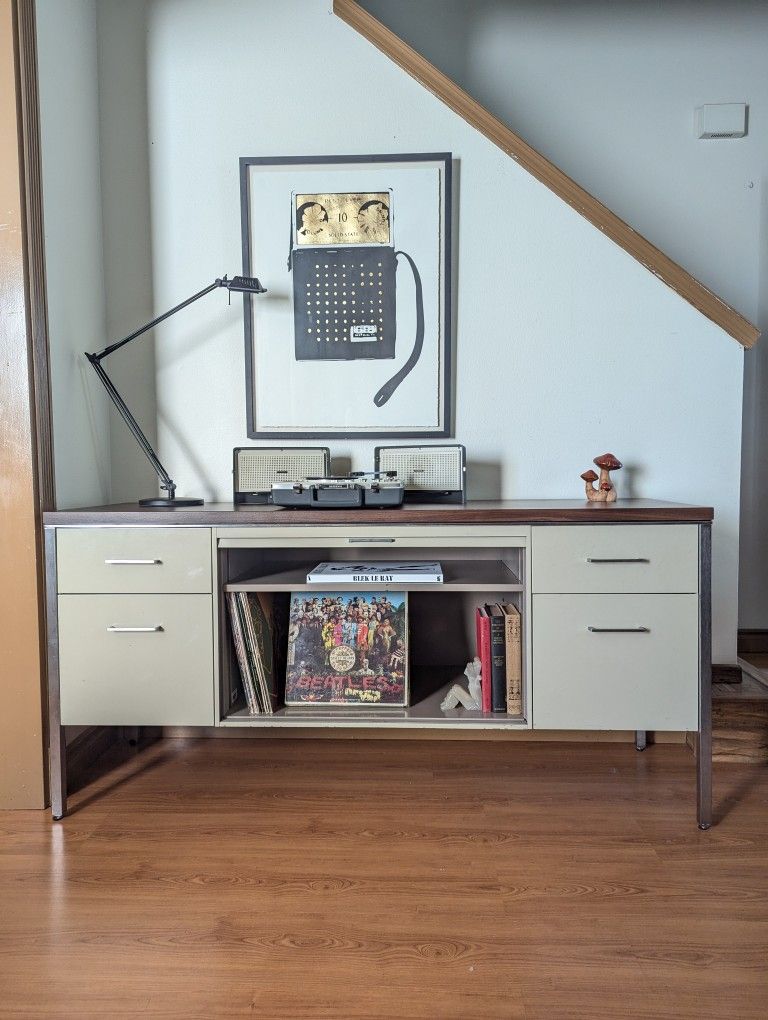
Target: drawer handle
632	559
133	563
378	541
619	630
135	630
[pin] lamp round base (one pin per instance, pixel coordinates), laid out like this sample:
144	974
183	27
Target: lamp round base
161	501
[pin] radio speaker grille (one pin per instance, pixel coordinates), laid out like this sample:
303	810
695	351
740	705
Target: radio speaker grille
257	468
425	469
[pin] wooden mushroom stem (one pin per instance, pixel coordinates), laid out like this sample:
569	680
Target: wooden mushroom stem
607	462
606	487
592	493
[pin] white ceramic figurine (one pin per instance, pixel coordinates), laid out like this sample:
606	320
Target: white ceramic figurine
467	699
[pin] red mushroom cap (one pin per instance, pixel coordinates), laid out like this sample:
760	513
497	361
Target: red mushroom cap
608	462
590	476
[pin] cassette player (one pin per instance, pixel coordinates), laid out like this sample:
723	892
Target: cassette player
371	490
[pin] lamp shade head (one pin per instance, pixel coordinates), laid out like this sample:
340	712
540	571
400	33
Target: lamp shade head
244	285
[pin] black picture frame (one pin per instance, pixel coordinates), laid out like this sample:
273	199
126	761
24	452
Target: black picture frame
445	378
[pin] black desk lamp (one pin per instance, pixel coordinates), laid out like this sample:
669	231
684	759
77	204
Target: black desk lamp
241	284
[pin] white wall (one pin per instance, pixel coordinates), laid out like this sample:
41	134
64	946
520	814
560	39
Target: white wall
606	89
126	217
566	345
66	39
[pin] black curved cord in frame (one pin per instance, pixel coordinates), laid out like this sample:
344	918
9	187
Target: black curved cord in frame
391	385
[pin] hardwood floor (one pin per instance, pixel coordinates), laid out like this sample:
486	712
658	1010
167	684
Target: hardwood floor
740	721
278	878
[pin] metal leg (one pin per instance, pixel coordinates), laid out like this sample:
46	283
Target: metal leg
57	766
57	748
641	740
704	742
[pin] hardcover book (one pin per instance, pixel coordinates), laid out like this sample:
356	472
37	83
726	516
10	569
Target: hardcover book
498	658
514	658
347	648
376	573
483	636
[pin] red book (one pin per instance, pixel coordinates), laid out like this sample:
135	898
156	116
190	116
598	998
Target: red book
483	628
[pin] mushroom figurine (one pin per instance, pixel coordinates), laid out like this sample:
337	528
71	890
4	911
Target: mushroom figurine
607	463
593	495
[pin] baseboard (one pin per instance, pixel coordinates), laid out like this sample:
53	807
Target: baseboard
752	641
521	735
725	673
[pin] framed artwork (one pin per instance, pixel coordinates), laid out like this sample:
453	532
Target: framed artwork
353	337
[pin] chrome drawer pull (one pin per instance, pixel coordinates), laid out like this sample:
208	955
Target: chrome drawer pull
633	559
132	563
135	630
378	541
619	630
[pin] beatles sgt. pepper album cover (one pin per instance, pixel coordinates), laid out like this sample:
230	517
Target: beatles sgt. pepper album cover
347	648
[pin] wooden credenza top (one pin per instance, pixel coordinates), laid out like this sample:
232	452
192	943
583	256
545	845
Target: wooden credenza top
514	511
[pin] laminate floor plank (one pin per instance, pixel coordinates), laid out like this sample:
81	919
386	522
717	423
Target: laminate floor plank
388	879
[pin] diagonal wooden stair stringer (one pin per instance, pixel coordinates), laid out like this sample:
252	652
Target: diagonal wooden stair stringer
448	92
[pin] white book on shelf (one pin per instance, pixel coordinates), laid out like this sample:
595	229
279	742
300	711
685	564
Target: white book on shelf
416	572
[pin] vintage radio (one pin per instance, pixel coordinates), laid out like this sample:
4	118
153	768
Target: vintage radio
430	474
257	468
344	263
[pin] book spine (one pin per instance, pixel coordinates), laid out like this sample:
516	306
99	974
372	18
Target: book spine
484	655
514	664
498	664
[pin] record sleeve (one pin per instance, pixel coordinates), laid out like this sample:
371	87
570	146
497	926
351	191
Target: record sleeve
348	648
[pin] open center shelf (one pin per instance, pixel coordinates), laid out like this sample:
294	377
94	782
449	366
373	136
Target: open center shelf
441	625
424	713
458	575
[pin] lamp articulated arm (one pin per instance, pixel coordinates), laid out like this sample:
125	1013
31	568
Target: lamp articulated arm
241	284
166	482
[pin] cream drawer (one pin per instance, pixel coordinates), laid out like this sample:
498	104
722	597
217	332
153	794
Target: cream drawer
139	660
615	558
617	675
133	560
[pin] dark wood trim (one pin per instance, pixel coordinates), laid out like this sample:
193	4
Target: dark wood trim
724	673
554	511
32	219
753	642
456	99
